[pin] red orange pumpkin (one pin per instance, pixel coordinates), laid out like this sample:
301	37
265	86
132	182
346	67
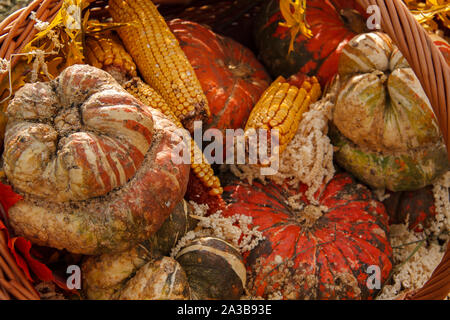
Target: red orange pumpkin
416	208
319	251
231	77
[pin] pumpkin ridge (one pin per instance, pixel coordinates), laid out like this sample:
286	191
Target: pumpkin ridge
331	271
356	272
365	242
273	196
322	196
317	245
318	271
216	119
297	241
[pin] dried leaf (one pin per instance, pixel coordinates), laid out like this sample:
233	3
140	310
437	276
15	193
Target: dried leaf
62	40
21	250
20	247
429	11
25	254
8	197
294	12
423	16
95	26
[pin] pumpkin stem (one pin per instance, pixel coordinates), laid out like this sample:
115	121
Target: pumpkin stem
240	70
353	20
308	216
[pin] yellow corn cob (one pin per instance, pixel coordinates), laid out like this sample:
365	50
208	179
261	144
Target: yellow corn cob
160	60
106	52
150	97
281	108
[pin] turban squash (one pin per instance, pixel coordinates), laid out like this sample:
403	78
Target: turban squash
311	250
333	24
383	124
204	268
230	75
93	164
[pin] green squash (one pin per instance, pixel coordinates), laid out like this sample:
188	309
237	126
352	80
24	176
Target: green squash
383	124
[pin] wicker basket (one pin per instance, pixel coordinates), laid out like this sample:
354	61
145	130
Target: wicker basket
413	41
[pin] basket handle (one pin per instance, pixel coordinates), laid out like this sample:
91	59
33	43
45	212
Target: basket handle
438	286
433	73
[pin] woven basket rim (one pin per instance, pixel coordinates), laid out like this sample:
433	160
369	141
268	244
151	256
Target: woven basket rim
397	22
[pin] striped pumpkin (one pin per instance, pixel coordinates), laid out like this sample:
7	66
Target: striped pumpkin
215	269
383	124
83	153
101	143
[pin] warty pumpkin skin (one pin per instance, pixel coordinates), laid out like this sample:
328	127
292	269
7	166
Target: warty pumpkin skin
383	124
93	164
230	75
44	117
312	251
333	24
163	279
133	275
